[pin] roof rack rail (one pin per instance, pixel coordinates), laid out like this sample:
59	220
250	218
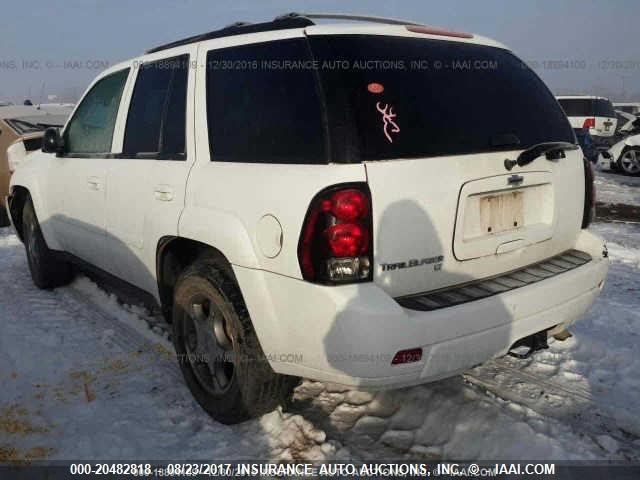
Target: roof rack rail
288	20
239	28
346	16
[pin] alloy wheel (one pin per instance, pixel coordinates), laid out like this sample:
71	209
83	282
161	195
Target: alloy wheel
630	162
208	345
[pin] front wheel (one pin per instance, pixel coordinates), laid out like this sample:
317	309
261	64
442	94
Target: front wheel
629	161
217	348
47	271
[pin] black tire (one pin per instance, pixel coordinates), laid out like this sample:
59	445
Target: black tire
47	271
4	216
217	348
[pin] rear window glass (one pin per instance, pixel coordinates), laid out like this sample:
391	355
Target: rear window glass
263	104
586	107
603	108
408	97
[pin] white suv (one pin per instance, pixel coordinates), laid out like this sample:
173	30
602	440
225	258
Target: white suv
305	201
595	114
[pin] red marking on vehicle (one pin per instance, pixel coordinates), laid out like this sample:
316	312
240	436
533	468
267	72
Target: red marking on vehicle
388	119
375	87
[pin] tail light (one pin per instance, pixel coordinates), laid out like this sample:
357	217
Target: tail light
589	211
589	123
336	239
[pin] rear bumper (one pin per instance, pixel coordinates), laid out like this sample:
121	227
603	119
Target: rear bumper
349	334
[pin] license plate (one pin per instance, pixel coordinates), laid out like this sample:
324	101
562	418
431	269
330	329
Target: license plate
501	213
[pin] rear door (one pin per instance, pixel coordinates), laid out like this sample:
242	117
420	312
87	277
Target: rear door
146	182
434	122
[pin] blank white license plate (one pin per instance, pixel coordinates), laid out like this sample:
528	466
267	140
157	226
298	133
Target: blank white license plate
501	213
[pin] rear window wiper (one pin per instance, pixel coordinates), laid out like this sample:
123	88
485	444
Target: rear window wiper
552	150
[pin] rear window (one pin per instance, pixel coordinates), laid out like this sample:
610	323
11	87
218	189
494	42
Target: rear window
263	104
586	107
409	97
603	108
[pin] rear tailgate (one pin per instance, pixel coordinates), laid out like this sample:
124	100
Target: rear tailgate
605	126
436	227
433	121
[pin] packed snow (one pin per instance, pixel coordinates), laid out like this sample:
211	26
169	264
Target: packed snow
613	187
85	376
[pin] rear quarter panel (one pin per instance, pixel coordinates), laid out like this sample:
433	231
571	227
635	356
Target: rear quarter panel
225	202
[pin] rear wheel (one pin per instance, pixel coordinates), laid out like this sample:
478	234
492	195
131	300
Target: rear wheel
217	348
47	271
629	161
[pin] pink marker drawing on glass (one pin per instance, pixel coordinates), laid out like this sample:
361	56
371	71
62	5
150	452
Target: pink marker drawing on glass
388	119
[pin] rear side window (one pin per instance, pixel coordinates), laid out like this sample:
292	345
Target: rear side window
263	104
413	97
91	128
157	114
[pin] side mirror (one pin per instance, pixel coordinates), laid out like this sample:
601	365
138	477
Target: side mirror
52	141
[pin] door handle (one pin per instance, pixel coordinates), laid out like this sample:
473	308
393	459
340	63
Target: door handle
94	183
164	193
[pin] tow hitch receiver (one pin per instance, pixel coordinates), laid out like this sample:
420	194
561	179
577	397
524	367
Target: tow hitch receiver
527	346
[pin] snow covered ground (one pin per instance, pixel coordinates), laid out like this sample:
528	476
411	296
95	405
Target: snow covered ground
83	376
613	187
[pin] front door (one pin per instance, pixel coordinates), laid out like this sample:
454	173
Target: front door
80	171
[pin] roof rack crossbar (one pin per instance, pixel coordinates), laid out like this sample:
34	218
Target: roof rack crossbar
346	16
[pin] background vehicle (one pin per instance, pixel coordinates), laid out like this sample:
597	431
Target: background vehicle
628	124
593	113
21	130
625	155
326	223
629	107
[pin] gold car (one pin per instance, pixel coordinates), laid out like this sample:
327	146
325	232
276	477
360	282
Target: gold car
21	128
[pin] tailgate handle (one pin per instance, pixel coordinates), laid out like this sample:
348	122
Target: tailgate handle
515	179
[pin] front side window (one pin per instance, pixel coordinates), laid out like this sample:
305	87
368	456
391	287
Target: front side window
91	128
263	104
157	114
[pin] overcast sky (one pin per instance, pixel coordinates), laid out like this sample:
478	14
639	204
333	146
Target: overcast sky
58	47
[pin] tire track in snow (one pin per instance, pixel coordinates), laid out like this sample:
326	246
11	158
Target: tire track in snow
105	385
572	405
